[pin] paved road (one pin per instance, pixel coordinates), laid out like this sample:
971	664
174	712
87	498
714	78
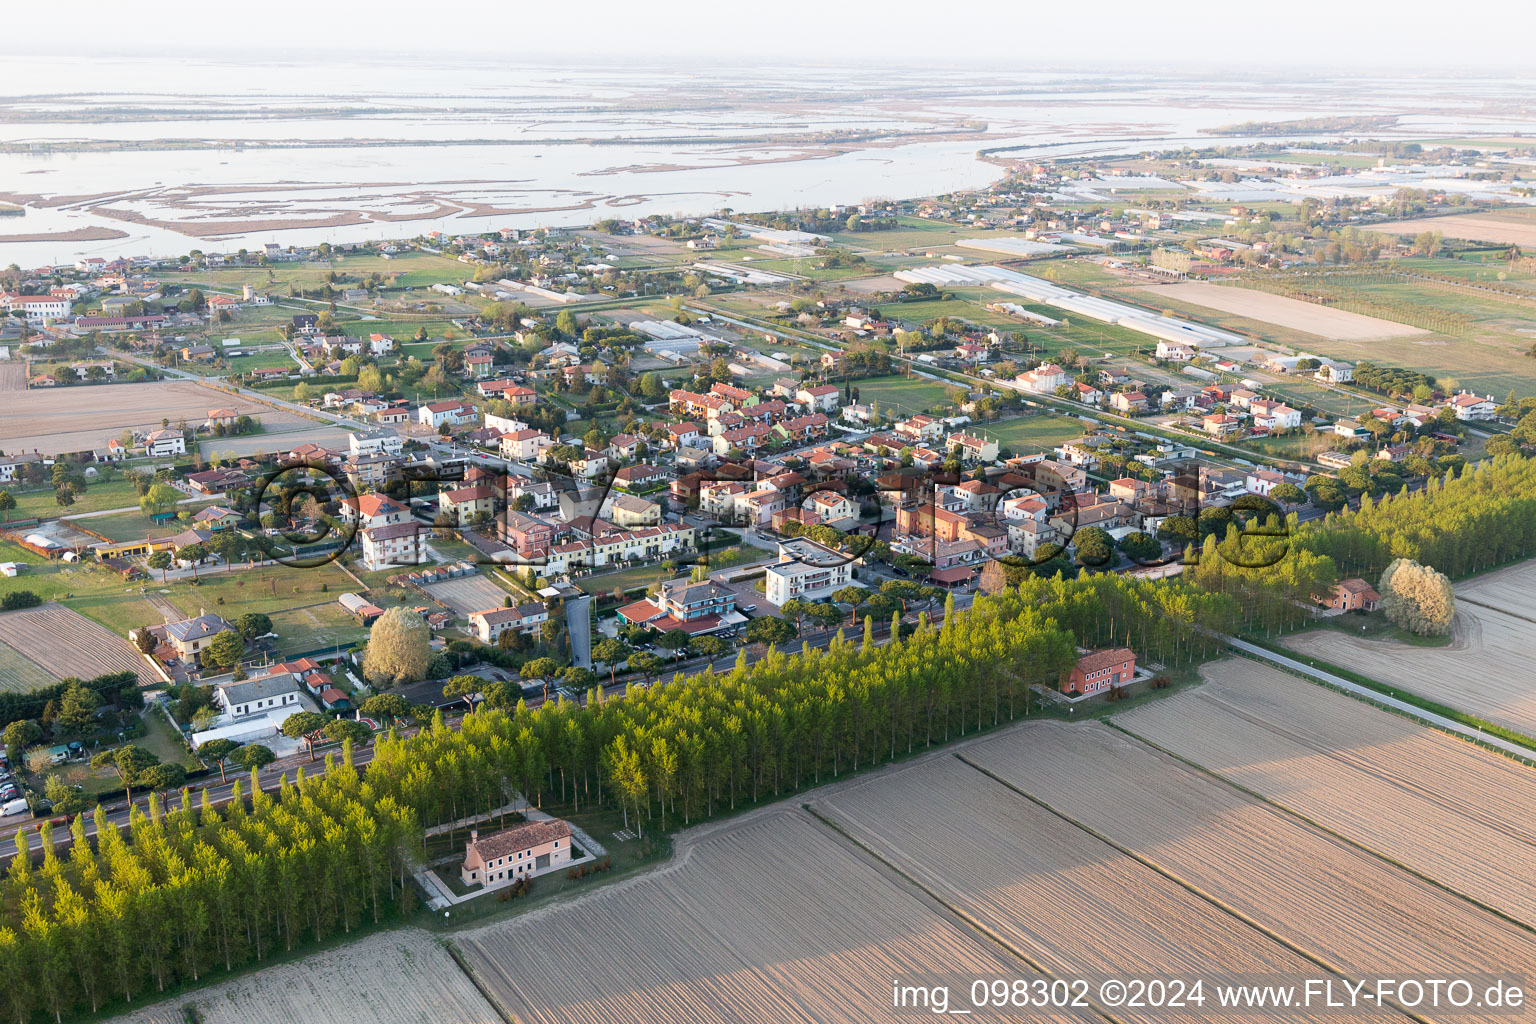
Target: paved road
1437	721
578	621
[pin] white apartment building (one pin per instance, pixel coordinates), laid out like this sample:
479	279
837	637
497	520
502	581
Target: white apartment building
396	544
806	571
376	443
165	442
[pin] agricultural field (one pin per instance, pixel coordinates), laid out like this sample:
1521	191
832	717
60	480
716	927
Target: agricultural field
13	375
1310	317
1501	228
66	644
904	395
398	977
287	438
85	418
1437	805
1049	890
20	674
412	270
732	930
1287	879
1484	670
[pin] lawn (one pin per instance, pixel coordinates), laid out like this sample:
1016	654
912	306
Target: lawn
99	495
133	525
904	395
315	626
163	740
92	591
269	589
636	576
1029	434
914	233
1296	446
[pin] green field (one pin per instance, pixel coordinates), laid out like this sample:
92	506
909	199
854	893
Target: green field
314	626
635	576
92	591
914	232
269	589
410	270
904	395
133	525
1029	434
99	495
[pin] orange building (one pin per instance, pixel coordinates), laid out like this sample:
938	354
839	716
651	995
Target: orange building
1352	595
1099	670
516	852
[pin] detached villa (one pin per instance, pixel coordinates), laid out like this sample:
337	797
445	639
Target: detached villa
518	852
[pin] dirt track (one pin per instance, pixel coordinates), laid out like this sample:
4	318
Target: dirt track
84	418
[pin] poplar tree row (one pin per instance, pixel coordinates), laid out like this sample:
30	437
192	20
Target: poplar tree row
190	890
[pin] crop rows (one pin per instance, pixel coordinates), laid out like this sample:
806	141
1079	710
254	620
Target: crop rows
1062	897
69	644
402	977
1437	805
770	918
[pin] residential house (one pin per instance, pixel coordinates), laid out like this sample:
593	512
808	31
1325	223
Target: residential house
640	477
1043	379
189	638
1221	426
377	442
393	544
529	536
1097	671
451	413
464	503
836	510
972	448
524	618
258	696
1128	401
695	607
216	518
521	851
1469	407
524	445
629	511
1351	595
823	398
158	443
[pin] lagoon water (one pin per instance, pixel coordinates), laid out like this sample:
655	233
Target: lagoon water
225	155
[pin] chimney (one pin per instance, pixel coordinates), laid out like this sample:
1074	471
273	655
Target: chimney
474	834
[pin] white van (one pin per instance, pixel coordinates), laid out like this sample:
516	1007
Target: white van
10	807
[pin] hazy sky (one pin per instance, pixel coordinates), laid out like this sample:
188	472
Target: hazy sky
1411	34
